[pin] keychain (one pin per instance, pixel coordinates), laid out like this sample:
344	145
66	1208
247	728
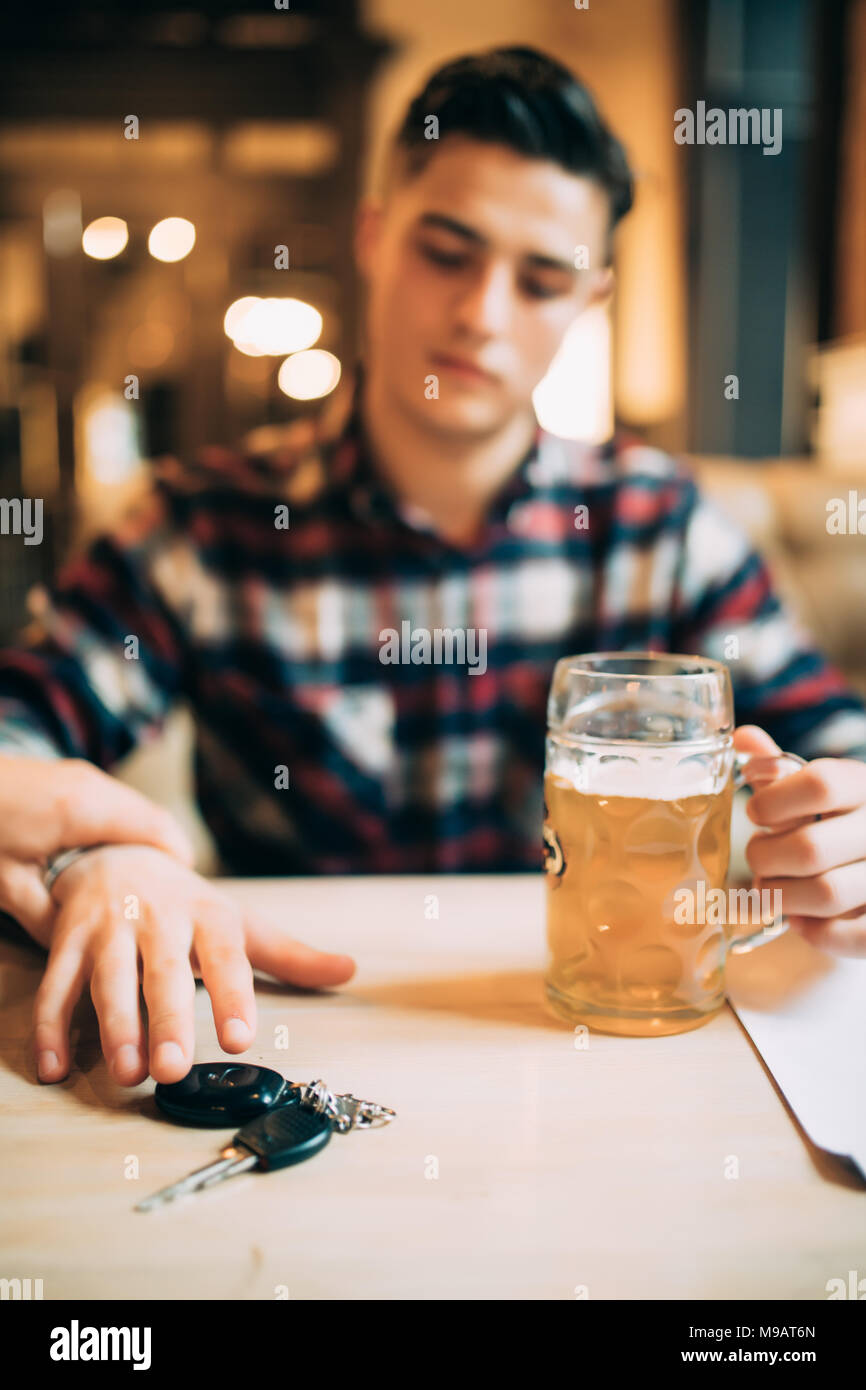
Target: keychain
219	1094
282	1122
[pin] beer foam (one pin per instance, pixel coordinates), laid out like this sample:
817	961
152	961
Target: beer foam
652	775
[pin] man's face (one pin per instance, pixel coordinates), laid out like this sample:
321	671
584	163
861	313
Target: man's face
473	260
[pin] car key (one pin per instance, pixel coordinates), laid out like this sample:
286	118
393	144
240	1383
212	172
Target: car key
281	1137
223	1094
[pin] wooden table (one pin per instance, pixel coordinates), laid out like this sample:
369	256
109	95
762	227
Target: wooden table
520	1166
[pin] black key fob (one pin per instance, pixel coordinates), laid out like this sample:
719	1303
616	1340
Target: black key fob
219	1095
285	1136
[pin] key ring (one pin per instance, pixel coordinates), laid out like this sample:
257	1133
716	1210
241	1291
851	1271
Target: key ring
345	1111
317	1097
366	1113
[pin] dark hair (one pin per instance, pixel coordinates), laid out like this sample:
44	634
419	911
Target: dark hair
522	98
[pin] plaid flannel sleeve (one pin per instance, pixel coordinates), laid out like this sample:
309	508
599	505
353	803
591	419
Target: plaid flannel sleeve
726	609
96	671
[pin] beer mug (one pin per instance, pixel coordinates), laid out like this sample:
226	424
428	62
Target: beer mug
640	772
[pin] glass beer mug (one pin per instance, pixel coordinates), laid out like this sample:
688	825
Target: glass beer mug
640	772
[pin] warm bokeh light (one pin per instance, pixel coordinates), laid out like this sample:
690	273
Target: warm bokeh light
307	375
274	327
235	313
290	148
105	426
251	349
575	397
105	238
171	239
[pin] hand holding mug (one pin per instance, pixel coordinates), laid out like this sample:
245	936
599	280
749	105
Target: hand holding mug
812	846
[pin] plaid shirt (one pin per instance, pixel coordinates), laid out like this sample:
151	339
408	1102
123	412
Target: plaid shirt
312	754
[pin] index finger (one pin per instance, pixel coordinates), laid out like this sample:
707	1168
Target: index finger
228	978
828	784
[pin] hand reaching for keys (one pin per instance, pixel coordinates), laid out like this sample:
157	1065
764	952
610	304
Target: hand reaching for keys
185	926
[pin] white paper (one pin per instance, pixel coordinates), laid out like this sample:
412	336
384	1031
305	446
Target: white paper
805	1011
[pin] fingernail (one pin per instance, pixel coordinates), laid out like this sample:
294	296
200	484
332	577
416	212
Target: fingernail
236	1033
127	1058
45	1063
168	1056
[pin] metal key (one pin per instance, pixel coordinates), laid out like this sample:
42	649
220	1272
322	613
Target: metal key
277	1139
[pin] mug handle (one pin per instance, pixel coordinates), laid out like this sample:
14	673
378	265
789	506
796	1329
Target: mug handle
739	945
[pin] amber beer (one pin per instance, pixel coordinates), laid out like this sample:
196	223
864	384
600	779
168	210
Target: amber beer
640	772
624	956
639	780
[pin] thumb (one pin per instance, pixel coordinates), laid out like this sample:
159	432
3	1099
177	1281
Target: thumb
122	815
269	948
766	761
761	750
748	738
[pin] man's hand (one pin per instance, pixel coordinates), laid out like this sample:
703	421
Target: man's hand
185	926
819	865
48	805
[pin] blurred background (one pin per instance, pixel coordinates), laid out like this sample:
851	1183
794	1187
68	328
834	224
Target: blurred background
155	156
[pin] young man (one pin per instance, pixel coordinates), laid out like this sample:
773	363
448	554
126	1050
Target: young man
438	503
